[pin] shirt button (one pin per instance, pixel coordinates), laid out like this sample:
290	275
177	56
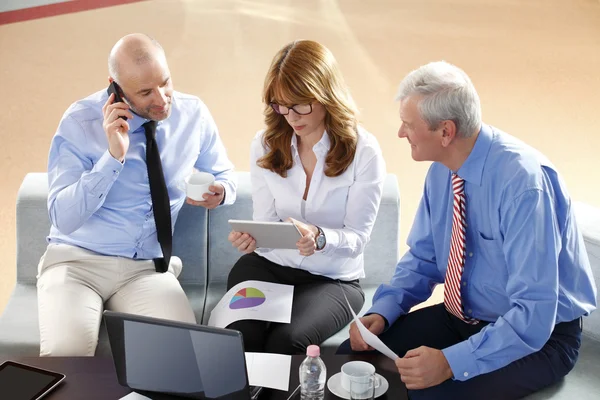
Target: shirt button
470	311
464	283
471	254
466	374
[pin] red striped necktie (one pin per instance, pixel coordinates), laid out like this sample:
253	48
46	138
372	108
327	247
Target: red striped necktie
456	259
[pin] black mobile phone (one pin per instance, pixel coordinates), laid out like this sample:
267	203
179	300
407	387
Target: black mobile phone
114	88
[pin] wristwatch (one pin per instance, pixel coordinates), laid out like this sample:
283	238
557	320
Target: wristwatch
320	239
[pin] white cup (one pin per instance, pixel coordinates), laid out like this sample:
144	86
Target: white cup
197	184
358	371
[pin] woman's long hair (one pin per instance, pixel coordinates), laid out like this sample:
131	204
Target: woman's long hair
303	72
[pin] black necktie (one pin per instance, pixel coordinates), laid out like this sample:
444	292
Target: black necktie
160	198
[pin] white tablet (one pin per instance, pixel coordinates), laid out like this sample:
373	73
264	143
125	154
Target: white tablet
269	235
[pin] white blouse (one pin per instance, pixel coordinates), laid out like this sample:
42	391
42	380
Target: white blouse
345	207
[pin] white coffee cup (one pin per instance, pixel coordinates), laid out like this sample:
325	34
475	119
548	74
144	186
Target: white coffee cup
359	371
197	184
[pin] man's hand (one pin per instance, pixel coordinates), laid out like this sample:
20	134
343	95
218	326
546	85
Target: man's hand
423	367
242	241
210	200
306	245
374	323
116	128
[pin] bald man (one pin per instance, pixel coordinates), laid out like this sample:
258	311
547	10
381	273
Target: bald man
103	247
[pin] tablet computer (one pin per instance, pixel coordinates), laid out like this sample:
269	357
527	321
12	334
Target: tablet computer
24	382
270	235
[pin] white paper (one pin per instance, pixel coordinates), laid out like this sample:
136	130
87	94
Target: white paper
135	396
256	300
269	370
369	337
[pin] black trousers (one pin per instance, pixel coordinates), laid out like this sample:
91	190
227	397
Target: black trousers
437	328
319	309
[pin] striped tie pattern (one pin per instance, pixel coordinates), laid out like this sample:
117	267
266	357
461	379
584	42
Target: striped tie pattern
456	259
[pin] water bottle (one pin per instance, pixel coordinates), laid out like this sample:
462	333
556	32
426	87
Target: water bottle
313	374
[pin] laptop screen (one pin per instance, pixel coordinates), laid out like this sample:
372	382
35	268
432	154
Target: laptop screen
183	359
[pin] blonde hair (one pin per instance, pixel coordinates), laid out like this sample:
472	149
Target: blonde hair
302	72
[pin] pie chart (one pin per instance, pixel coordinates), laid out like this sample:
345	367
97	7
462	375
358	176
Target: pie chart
246	298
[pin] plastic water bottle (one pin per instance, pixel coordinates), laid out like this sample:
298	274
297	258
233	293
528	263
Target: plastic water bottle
313	374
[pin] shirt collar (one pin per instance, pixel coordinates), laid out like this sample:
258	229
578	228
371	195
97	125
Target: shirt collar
472	169
320	148
136	123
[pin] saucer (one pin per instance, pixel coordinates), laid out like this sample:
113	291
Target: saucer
334	384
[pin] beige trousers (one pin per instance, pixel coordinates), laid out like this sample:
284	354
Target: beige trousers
74	285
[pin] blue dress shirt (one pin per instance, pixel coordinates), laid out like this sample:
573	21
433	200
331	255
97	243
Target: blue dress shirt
97	203
526	266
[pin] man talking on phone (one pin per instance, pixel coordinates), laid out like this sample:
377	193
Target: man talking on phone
116	173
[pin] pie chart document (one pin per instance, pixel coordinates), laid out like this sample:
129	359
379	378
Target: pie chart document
257	300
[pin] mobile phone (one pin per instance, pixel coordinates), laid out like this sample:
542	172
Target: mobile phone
114	88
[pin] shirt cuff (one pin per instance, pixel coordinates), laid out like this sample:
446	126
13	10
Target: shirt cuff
332	240
228	197
388	308
109	165
109	168
461	361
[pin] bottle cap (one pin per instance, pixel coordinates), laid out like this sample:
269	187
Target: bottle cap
313	351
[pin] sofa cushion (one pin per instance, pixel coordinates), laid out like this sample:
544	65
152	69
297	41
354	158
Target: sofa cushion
19	332
20	335
582	382
588	219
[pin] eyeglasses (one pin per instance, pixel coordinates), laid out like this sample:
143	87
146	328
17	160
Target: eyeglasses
300	109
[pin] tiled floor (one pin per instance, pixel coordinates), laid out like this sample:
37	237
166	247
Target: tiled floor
534	62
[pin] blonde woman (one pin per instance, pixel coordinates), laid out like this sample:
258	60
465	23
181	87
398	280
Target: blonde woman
315	166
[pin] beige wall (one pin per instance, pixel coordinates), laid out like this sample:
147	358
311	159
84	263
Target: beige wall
535	64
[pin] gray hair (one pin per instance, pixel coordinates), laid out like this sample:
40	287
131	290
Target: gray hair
448	94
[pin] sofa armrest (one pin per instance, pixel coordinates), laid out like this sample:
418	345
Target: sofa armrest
33	224
588	220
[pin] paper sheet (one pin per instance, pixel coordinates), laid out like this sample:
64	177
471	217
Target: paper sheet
269	370
369	337
256	300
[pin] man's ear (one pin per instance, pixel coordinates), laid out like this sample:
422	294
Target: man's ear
448	132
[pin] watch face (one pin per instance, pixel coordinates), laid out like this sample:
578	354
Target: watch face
320	242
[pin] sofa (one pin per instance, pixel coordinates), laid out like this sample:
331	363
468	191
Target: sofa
199	239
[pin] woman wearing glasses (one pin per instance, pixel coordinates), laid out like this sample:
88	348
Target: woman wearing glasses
315	166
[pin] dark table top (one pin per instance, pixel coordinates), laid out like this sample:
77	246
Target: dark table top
95	377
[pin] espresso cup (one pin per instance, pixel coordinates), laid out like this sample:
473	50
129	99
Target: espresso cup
197	184
362	375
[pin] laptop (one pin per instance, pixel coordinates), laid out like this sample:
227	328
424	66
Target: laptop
164	359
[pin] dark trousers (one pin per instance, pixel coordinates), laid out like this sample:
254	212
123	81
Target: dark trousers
437	328
319	309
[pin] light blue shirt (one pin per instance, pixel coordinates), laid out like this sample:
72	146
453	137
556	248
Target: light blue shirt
526	267
97	203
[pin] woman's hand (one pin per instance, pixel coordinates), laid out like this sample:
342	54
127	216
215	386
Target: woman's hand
306	245
242	241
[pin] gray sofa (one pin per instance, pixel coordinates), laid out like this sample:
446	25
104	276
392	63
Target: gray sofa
200	240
